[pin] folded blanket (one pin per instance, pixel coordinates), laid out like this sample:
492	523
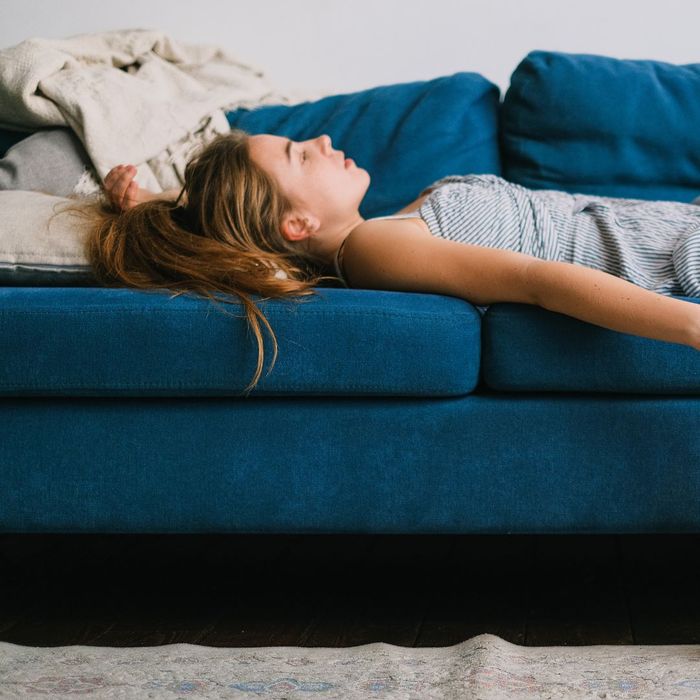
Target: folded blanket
132	96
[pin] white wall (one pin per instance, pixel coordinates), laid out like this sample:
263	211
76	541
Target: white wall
345	45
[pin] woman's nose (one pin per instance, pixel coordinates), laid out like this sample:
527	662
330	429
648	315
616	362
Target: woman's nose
326	144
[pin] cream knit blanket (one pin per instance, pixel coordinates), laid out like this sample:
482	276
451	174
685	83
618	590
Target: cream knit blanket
132	96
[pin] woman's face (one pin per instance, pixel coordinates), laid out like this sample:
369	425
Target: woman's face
313	175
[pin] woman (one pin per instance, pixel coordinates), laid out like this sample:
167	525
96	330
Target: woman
265	215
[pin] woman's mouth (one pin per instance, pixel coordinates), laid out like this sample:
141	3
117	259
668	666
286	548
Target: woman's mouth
349	162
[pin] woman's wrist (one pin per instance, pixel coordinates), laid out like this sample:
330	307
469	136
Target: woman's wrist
146	196
170	195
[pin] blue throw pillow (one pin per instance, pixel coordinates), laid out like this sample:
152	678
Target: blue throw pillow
406	135
605	126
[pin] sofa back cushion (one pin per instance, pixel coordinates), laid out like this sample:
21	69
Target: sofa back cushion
405	135
605	126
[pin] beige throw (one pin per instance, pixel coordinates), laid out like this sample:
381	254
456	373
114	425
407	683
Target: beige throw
132	96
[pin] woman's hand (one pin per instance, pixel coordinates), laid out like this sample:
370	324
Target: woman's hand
122	190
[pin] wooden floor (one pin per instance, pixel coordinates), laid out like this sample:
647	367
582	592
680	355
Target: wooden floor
345	590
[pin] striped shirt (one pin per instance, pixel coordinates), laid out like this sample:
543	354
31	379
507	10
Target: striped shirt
653	244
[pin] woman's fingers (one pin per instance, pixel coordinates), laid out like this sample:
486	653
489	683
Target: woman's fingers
119	171
120	186
116	182
130	195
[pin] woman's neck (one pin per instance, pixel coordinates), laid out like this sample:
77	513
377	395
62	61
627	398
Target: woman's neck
327	244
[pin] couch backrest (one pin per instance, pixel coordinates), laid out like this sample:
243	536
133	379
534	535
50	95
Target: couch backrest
601	125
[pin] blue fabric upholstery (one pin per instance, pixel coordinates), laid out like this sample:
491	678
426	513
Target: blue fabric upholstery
122	342
487	463
386	412
528	348
406	135
604	126
357	342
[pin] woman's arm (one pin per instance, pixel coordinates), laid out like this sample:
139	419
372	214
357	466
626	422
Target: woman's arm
605	300
393	255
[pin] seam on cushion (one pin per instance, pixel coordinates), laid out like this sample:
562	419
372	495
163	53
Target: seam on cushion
198	386
33	252
142	312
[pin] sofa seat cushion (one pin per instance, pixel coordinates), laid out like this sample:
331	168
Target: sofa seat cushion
529	348
601	125
95	341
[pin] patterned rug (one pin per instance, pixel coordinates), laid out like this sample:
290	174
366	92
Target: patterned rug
482	667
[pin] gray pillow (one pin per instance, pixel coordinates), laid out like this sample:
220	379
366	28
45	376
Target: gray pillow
50	160
38	250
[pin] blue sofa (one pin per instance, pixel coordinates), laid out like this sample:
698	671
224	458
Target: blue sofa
385	412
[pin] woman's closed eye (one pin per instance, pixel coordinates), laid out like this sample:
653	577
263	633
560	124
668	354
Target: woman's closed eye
303	153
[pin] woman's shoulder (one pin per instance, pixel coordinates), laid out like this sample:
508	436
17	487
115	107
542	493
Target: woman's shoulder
390	226
374	240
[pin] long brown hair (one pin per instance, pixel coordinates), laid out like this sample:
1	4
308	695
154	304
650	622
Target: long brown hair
221	235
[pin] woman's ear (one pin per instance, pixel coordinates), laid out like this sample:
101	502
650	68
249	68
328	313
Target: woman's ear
295	227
